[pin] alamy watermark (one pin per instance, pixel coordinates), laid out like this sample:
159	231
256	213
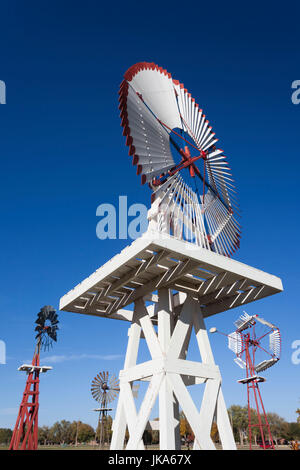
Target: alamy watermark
296	94
2	352
131	222
114	222
296	354
2	92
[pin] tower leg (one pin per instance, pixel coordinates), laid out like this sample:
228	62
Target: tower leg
253	389
25	433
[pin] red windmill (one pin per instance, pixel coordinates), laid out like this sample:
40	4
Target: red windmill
257	345
25	434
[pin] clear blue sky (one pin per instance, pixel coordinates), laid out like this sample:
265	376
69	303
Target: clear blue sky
63	154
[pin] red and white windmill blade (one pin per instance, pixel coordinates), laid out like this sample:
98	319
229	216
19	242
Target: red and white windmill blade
157	112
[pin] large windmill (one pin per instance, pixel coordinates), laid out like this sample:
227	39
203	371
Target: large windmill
25	433
177	273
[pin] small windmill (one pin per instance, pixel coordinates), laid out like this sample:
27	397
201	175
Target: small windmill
257	346
104	390
25	434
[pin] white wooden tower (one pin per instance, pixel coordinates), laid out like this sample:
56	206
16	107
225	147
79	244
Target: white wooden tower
147	274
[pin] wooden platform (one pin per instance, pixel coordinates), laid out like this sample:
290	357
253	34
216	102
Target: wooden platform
153	262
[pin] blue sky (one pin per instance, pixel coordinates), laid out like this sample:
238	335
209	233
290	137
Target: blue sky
63	154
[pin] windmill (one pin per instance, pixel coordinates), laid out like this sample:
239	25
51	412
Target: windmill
177	273
104	390
257	345
25	433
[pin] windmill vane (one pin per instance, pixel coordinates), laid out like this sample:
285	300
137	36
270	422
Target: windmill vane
105	388
47	326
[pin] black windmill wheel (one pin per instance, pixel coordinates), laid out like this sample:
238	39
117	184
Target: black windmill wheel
46	328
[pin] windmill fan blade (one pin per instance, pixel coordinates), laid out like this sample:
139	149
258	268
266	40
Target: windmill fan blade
266	364
103	388
52	335
240	362
47	333
235	342
141	107
275	343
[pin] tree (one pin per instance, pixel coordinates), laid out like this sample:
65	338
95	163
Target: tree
293	431
186	431
85	432
214	433
44	435
239	421
298	413
61	432
147	437
107	429
278	426
185	428
5	435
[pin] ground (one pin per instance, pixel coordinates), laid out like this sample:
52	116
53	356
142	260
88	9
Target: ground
150	447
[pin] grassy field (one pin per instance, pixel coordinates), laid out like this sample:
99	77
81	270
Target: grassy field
150	447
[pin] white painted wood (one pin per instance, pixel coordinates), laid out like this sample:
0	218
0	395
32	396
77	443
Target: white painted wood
144	413
148	254
166	416
119	425
169	374
223	423
190	411
148	330
182	330
130	413
208	406
134	334
201	335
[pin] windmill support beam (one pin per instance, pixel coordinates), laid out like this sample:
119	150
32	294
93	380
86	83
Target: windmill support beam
166	372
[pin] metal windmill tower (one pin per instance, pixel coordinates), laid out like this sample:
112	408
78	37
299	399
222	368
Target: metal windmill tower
177	273
25	433
105	389
257	345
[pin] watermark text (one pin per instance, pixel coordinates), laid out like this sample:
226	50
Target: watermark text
2	92
296	94
296	354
